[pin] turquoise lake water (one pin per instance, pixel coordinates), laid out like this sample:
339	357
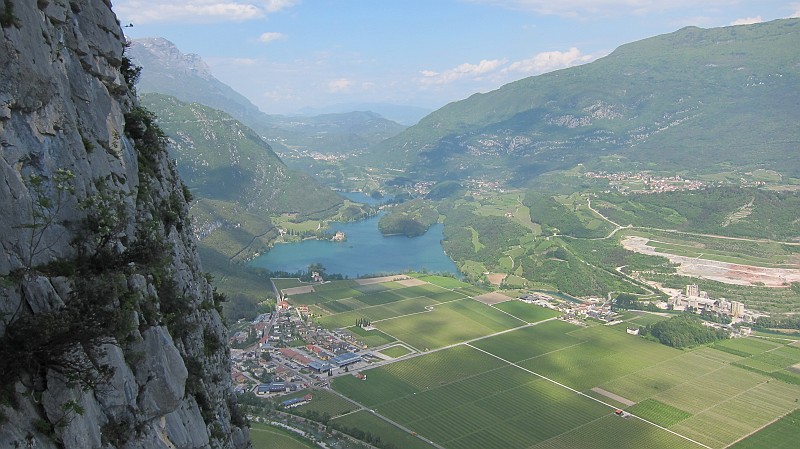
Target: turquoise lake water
366	251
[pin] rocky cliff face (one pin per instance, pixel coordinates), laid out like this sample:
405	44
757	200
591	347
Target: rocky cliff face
110	335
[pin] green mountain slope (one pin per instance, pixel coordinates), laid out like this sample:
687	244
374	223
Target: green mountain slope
221	159
698	100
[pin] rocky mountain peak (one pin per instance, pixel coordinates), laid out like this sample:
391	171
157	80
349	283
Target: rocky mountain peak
157	51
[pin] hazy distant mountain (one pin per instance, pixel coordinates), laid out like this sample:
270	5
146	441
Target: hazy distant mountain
403	114
186	77
697	100
348	132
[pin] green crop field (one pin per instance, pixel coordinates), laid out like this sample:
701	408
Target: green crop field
782	434
282	283
443	281
448	323
376	426
396	351
370	338
306	299
658	412
376	299
267	437
419	290
523	344
323	402
375	313
527	312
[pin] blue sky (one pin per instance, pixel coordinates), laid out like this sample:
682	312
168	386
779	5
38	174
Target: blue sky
285	55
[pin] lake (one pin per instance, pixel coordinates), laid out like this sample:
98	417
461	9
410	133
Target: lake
366	251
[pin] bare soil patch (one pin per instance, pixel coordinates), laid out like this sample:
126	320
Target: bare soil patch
610	395
492	298
496	278
381	280
411	282
298	290
729	273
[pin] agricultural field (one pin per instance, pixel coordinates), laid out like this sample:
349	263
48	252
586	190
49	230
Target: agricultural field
264	437
782	434
448	323
532	387
324	402
395	351
377	426
526	312
371	338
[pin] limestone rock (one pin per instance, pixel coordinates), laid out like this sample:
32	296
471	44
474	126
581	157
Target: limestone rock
64	107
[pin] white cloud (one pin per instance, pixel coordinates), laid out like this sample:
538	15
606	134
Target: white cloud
340	85
277	5
590	8
203	11
548	61
466	70
271	36
748	20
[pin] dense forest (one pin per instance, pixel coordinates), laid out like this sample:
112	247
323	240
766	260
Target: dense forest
411	218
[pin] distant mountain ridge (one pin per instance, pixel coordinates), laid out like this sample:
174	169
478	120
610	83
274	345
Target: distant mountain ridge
695	99
167	70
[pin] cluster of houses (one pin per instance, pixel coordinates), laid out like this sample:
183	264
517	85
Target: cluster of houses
275	353
596	308
652	184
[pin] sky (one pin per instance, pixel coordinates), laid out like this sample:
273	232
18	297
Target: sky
287	55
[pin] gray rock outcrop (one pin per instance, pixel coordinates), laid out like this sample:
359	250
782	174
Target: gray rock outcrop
110	333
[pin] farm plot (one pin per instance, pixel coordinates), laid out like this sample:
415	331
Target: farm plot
264	436
375	313
449	323
323	402
378	427
370	338
472	290
378	298
419	290
306	299
377	287
281	283
339	293
415	375
395	351
527	312
443	281
782	434
612	431
529	342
